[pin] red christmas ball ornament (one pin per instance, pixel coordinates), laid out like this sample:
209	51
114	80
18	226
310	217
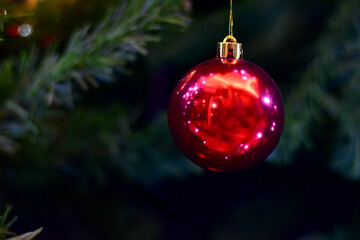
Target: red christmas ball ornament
226	114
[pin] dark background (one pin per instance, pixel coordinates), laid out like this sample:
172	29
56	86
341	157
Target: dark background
303	198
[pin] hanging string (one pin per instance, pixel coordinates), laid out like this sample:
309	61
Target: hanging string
231	20
230	37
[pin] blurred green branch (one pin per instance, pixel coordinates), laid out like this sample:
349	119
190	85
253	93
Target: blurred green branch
32	81
33	84
329	92
5	225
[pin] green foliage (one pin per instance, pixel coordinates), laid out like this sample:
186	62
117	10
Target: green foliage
328	94
41	87
27	236
5	224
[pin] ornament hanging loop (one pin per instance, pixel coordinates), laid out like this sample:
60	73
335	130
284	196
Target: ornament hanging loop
230	38
231	20
229	47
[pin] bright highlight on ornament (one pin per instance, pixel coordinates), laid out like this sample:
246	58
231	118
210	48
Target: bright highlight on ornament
266	100
223	112
25	30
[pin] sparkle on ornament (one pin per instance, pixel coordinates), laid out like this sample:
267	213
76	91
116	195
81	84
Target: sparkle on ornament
259	135
266	100
242	71
25	30
192	73
244	77
273	126
246	146
214	105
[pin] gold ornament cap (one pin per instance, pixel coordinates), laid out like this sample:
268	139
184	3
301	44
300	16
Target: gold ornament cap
229	48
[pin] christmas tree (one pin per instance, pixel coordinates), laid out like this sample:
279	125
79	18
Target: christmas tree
85	149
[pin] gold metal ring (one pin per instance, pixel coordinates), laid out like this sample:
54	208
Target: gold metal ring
230	38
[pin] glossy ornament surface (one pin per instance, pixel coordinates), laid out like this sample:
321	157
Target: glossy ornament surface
226	115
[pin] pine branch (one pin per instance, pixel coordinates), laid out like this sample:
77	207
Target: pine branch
5	225
95	51
90	55
329	88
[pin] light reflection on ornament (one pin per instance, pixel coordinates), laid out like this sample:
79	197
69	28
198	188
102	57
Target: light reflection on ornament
266	100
